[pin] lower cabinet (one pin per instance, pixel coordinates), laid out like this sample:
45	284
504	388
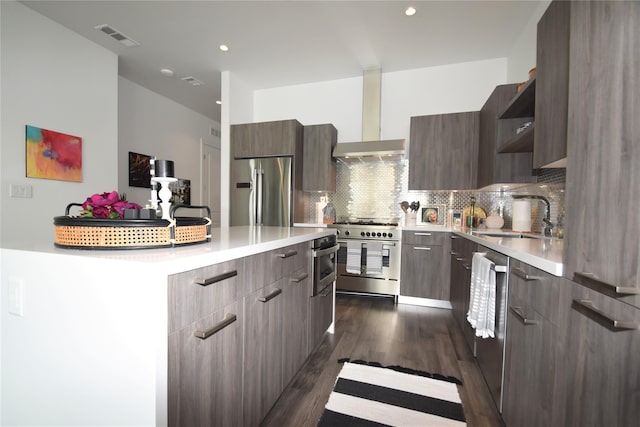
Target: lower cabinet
263	351
295	328
320	316
461	254
205	371
425	265
531	353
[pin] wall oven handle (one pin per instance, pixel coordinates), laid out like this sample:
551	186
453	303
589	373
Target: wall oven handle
322	252
327	279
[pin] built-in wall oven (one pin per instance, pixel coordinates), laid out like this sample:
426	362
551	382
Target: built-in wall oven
368	258
324	263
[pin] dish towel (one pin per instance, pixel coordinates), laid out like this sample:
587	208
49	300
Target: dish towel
482	296
374	258
354	253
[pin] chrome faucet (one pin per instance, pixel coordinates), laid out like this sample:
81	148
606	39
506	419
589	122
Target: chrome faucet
548	225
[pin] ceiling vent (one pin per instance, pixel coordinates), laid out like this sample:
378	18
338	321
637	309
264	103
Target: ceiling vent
117	35
192	81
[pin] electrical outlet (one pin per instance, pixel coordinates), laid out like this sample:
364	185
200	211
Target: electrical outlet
16	297
20	191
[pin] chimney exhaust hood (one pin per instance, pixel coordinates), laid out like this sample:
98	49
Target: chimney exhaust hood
371	147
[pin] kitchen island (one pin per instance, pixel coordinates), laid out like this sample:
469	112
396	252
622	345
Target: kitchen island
85	332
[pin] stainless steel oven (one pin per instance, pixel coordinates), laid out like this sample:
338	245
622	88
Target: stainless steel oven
364	244
324	262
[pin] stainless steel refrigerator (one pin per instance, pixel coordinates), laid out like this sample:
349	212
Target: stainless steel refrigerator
261	192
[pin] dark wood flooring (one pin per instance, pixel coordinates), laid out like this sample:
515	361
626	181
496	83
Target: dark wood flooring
376	329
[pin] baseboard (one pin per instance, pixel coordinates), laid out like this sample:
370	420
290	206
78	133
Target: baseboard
424	302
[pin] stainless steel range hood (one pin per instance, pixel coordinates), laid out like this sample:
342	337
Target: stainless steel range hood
371	147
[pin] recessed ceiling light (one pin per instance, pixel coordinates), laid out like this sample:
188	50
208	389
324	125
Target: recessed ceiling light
219	102
224	47
410	11
166	72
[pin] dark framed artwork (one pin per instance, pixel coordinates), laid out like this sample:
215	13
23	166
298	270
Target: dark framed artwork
180	192
139	170
434	215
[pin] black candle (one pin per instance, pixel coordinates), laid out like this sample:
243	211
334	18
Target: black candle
164	168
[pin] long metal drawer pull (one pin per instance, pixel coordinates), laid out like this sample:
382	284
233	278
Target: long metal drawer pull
271	296
590	280
603	318
326	293
323	252
517	311
215	279
422	234
287	254
459	259
300	278
228	319
453	237
518	272
453	253
421	248
466	266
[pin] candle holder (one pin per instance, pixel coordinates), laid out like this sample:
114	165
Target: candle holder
165	194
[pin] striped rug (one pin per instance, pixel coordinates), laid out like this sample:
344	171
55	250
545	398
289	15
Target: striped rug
374	396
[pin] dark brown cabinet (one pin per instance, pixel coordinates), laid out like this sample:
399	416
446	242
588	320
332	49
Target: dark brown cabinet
205	346
552	75
266	139
601	343
460	258
602	234
320	316
319	165
425	265
443	151
532	348
495	167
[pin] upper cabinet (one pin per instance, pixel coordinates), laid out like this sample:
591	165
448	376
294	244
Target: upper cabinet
319	165
266	139
519	109
495	167
443	151
602	234
551	106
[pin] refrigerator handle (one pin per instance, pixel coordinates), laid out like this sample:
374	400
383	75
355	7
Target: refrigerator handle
259	175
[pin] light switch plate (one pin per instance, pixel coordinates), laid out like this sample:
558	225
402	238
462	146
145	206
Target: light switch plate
16	297
20	191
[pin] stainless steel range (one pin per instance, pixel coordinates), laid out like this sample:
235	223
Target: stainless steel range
369	257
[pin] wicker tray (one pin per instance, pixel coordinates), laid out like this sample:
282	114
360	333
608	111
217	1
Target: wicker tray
95	233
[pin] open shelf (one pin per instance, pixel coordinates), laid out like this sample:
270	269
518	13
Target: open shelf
523	103
519	143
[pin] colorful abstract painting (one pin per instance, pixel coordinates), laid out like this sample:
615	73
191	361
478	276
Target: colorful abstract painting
53	155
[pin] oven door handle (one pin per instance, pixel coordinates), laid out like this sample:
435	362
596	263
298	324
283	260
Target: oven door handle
323	252
327	279
343	244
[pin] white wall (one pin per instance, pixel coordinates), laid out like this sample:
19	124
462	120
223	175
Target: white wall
434	90
54	79
522	57
154	125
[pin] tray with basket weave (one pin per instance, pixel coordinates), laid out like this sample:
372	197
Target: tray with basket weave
100	233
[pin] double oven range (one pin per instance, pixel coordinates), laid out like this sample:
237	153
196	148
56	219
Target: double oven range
355	272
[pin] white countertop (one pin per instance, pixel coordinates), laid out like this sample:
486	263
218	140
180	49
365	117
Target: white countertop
545	254
227	243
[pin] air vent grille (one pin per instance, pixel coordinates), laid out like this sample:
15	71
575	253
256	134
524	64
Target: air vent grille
117	35
192	81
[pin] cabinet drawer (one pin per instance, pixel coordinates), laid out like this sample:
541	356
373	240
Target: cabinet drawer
291	258
424	237
529	286
198	293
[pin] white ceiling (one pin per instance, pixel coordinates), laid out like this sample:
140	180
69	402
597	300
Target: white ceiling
280	43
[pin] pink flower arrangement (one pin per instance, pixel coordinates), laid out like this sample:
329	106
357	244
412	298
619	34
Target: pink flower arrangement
106	205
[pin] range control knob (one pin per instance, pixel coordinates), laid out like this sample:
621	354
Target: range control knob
390	234
384	234
346	233
338	232
379	234
362	233
368	234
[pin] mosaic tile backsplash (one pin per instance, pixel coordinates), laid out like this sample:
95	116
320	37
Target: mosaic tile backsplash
375	190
